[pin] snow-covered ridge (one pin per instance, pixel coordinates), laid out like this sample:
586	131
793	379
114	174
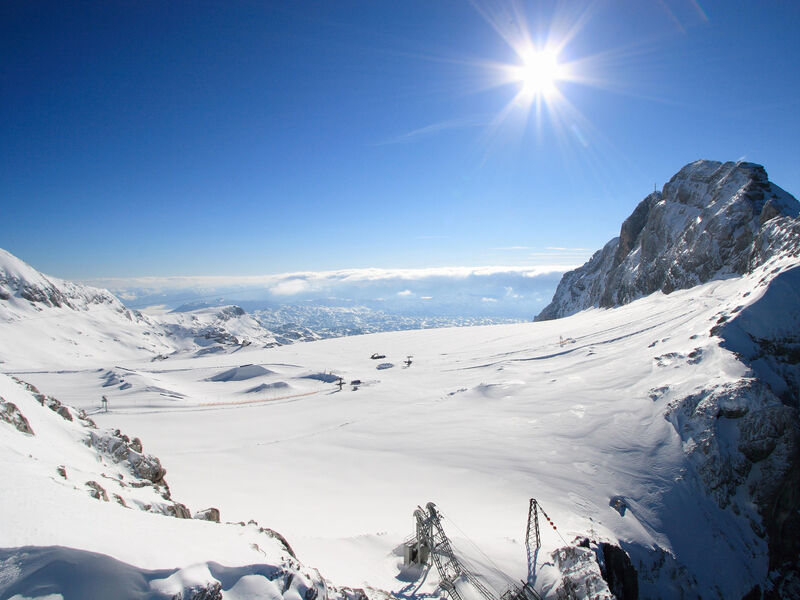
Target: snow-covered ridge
45	319
710	220
217	329
23	287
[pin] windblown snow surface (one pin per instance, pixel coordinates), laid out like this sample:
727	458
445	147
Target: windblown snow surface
578	413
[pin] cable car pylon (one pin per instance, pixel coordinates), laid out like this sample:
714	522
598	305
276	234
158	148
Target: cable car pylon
430	541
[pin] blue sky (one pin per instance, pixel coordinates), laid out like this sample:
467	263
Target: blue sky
244	138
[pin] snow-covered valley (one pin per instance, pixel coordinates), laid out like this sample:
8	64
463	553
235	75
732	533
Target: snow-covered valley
666	427
482	420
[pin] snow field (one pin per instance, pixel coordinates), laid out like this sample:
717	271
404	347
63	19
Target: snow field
484	419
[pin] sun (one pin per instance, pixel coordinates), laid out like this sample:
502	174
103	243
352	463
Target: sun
538	73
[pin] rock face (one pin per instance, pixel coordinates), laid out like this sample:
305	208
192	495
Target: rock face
712	219
121	449
11	415
209	514
581	577
766	336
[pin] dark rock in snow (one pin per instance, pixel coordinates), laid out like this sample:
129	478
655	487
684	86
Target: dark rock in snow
53	405
119	448
209	514
619	573
11	415
178	510
97	491
581	576
766	336
618	504
212	591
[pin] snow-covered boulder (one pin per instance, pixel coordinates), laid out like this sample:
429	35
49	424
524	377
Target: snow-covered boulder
711	219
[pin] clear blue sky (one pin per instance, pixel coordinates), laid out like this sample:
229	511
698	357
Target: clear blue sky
183	138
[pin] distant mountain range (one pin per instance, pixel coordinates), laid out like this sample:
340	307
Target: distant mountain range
44	317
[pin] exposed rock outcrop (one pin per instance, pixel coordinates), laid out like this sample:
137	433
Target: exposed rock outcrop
616	569
121	449
742	437
12	415
97	491
619	573
581	578
711	219
766	336
209	514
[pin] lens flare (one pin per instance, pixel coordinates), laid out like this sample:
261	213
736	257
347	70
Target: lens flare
538	73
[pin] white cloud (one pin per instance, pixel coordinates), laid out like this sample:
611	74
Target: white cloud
484	299
319	279
458	288
290	287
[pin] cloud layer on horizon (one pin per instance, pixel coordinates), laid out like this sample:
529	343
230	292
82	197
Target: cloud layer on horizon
500	290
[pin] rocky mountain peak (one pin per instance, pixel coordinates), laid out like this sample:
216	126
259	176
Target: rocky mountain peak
709	220
23	285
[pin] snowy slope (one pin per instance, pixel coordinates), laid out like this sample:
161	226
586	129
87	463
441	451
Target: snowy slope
638	407
710	220
87	498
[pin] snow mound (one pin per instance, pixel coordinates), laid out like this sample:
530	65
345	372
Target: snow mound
71	573
323	377
268	387
241	373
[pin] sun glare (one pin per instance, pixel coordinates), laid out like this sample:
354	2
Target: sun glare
542	71
538	73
